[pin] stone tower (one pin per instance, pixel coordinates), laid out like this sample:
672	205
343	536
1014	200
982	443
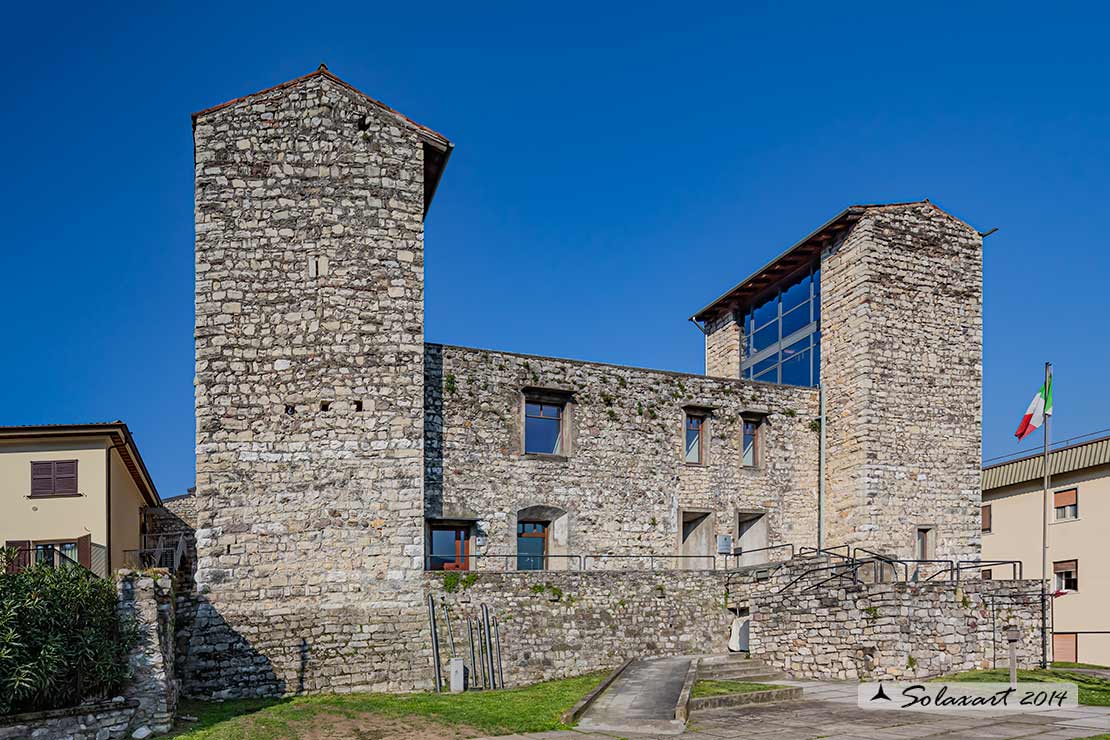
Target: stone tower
901	351
310	200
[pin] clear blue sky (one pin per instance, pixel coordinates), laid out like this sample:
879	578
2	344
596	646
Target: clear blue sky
616	167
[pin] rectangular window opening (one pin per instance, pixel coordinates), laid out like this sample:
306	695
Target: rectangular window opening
543	428
695	439
751	452
985	516
924	545
1066	575
449	547
1066	504
358	405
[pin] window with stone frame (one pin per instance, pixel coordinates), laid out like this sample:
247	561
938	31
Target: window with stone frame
448	547
694	445
925	543
546	422
1066	504
751	452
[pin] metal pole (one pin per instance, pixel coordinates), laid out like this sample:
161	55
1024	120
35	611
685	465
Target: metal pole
473	660
1044	518
821	474
500	667
482	655
489	645
435	641
450	634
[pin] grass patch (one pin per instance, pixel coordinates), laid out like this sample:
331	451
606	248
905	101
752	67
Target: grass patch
1093	691
1066	664
704	688
534	708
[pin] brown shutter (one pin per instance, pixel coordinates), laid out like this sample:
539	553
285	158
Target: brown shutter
65	476
23	559
1064	498
42	478
1065	565
985	510
84	551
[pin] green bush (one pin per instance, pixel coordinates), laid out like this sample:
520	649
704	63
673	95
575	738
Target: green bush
61	638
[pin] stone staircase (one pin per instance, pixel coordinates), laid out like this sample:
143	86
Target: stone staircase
737	667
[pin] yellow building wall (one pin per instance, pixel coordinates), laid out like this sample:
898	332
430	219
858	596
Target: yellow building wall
127	507
1016	535
71	517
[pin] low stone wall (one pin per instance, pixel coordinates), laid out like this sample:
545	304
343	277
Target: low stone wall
555	624
106	720
148	598
895	630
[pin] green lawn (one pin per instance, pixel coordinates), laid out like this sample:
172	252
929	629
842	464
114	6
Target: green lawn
1065	664
534	708
716	688
1092	690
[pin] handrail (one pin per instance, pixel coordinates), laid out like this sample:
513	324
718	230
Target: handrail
57	558
652	557
894	562
582	560
805	550
1016	565
451	557
740	552
841	567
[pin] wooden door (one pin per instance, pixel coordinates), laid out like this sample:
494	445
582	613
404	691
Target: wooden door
1064	647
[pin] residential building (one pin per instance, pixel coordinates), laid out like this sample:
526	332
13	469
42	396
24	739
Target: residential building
1078	548
74	492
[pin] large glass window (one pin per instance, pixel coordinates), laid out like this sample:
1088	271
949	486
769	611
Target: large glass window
782	337
531	545
543	428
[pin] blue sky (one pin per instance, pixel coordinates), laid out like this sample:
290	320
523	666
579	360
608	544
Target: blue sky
617	166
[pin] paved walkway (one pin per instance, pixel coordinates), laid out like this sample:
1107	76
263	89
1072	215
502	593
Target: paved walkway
641	700
829	711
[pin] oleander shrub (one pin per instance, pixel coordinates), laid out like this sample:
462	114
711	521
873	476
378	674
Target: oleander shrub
62	640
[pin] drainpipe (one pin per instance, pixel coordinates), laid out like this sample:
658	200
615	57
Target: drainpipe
821	473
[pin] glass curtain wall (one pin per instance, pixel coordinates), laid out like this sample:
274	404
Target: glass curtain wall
782	335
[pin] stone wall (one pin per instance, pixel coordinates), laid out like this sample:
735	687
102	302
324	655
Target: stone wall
309	389
895	630
559	624
105	720
901	362
147	597
722	346
624	482
178	515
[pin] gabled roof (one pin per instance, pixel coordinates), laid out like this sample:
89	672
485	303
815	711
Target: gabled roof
805	252
437	146
116	431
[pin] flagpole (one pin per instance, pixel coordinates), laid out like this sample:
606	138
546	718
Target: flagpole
1044	517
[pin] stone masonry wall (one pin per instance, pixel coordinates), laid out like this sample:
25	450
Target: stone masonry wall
105	720
625	481
558	624
901	363
895	630
723	338
309	389
147	598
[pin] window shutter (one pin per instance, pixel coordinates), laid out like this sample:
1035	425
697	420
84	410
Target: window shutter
23	559
1065	565
1064	498
65	476
84	551
986	513
42	478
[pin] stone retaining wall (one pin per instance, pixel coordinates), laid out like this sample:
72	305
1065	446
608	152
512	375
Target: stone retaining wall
557	624
105	720
895	630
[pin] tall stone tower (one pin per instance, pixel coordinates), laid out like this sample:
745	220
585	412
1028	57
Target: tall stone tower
899	333
902	368
310	200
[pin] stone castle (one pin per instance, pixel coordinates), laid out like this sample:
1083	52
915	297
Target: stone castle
343	463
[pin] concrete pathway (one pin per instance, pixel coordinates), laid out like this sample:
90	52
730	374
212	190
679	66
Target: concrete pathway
829	711
641	700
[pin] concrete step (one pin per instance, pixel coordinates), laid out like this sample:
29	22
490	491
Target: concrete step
786	693
729	658
761	675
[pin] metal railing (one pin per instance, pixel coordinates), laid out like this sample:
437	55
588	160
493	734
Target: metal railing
740	552
49	555
818	551
167	551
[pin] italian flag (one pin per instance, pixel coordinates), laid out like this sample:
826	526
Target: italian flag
1039	408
